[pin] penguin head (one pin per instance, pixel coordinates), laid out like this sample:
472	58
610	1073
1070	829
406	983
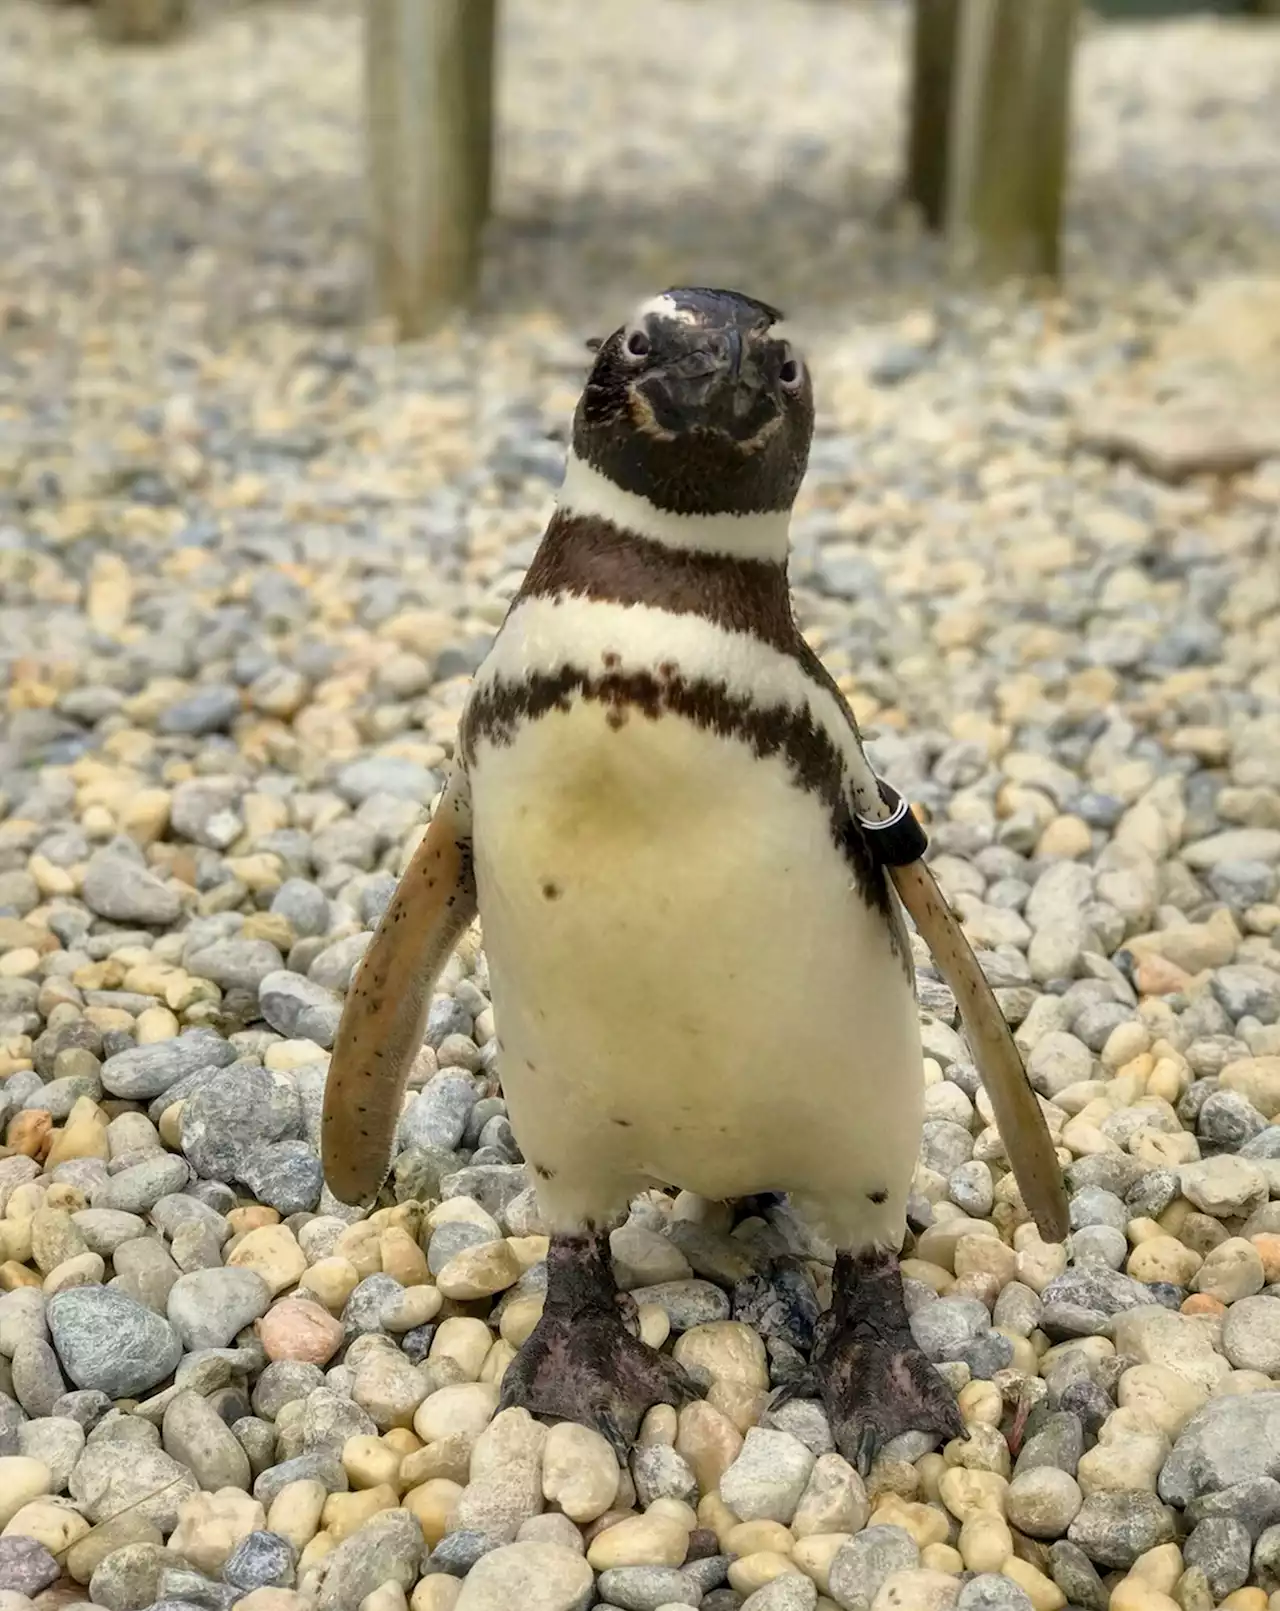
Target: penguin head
699	404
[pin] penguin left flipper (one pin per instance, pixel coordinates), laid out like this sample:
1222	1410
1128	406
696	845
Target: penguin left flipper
386	1006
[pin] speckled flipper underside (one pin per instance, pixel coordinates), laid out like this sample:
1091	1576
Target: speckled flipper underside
386	1006
1018	1117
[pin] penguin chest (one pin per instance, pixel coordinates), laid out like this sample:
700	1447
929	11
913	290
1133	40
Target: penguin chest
671	927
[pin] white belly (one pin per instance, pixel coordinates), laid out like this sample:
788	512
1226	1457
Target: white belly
687	989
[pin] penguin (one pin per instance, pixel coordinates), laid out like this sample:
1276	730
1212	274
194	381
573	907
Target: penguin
660	808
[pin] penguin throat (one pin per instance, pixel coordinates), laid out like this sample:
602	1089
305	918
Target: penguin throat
587	493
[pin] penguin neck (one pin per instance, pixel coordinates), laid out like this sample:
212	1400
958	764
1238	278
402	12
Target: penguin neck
588	494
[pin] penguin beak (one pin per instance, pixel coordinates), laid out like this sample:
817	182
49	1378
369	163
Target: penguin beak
718	384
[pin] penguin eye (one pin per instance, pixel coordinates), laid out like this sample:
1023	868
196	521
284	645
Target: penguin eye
790	372
637	344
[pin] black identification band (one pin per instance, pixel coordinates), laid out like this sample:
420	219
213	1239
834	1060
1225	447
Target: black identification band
899	839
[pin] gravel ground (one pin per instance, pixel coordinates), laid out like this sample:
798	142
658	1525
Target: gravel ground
250	555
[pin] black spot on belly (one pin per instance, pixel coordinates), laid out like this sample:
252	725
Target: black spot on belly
544	1174
879	1195
623	1124
551	891
610	660
616	717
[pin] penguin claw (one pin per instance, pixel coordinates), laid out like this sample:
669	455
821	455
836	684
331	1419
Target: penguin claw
591	1370
874	1381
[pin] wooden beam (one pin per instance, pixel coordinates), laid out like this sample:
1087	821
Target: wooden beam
139	22
933	49
429	69
1009	135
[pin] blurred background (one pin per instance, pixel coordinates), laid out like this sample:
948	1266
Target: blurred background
212	443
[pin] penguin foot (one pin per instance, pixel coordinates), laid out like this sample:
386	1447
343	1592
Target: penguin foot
580	1362
873	1380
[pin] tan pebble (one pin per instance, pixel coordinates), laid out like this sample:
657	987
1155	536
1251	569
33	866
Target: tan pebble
747	1538
22	1479
708	1440
519	1317
1133	1594
273	1251
414	1307
917	1589
332	1281
1122	1466
465	1407
1200	1303
402	1258
361	1244
658	1426
368	1462
926	1524
942	1558
983	1255
251	1217
1161	1567
84	1138
170	1126
1039	1264
84	1270
739	1403
983	1450
1166	1398
980	1403
985	1542
496	1362
814	1555
436	1593
269	1598
345	1514
640	1541
30	1133
579	1471
1163	1258
296	1510
674	1510
466	1341
528	1251
433	1503
751	1572
1246	1599
210	1525
386	1597
446	1457
155	1024
479	1272
724	1350
931	1275
655	1324
1231	1271
52	1523
716	1516
1042	1591
296	1328
931	1468
402	1440
317	1549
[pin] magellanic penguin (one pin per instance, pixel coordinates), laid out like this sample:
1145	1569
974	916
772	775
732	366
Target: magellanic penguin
701	974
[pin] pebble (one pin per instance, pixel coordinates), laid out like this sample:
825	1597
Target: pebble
108	1342
768	1478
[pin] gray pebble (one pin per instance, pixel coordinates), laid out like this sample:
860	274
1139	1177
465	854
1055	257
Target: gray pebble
687	1303
991	1591
260	1560
315	1465
645	1588
861	1565
110	1342
143	1072
227	1118
26	1566
125	890
304	905
298	1008
37	1376
286	1175
1221	1547
208	1307
197	1436
438	1115
1114	1529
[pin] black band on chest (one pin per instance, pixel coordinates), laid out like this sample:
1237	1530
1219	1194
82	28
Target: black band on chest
899	839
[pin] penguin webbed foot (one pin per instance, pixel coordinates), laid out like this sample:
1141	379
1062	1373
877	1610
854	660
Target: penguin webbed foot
873	1380
581	1362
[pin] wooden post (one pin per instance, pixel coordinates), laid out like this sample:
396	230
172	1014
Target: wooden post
139	22
1007	162
429	67
929	110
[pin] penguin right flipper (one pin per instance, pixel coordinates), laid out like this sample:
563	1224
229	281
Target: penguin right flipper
386	1007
